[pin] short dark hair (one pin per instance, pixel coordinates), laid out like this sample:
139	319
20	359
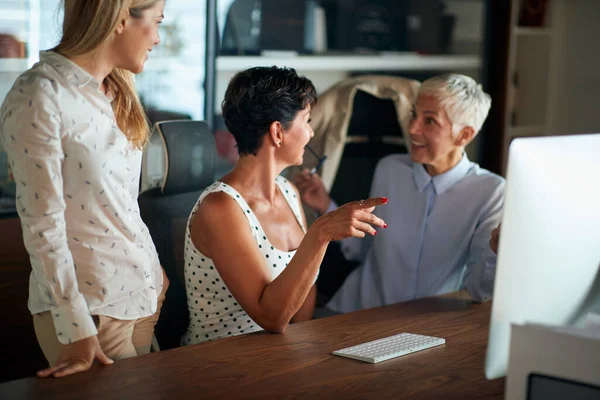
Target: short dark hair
257	97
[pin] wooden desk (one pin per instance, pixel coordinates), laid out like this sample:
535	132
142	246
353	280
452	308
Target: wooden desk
299	363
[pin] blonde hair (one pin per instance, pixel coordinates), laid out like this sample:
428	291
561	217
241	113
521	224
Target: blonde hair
462	97
86	25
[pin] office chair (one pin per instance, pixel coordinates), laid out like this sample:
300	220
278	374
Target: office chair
373	133
356	123
189	153
371	112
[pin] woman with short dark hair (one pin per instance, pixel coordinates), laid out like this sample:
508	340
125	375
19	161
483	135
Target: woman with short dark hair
251	262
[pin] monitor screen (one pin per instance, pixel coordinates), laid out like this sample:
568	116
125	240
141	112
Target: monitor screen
549	250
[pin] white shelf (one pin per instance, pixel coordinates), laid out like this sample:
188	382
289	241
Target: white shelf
395	62
14	64
527	31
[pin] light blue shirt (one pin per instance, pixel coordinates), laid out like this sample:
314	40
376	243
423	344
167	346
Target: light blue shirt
437	240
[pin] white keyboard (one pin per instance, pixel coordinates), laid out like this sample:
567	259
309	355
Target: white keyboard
390	347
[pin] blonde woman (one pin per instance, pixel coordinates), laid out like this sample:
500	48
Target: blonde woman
74	128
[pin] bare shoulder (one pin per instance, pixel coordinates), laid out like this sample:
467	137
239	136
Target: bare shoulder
218	220
218	209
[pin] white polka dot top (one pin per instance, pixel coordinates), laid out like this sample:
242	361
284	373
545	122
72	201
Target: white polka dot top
214	312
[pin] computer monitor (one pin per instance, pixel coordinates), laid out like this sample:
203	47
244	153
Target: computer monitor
549	250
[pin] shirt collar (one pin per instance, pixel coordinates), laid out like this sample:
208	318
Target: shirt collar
444	181
69	70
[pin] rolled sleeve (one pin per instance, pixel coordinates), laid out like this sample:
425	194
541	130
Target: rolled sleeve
31	131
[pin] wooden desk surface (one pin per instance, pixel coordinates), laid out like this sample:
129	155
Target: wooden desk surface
299	363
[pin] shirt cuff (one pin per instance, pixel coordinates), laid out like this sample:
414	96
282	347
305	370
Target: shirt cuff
73	321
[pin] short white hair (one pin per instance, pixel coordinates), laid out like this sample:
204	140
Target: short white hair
463	99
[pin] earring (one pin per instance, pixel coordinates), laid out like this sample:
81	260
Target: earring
279	143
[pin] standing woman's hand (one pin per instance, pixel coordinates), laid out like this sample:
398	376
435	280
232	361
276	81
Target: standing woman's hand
76	357
353	219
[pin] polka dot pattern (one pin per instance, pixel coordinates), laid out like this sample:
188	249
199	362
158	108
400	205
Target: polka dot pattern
214	312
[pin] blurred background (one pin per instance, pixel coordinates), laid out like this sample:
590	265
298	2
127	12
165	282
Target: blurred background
533	56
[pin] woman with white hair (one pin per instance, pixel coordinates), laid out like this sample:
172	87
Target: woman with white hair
74	128
442	207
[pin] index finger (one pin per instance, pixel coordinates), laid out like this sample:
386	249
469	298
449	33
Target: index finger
372	202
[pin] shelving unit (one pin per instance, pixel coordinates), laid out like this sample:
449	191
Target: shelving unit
534	68
325	70
528	31
372	62
21	19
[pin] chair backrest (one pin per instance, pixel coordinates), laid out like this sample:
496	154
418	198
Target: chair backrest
333	114
373	133
190	152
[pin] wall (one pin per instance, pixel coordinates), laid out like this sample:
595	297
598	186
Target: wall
469	25
578	83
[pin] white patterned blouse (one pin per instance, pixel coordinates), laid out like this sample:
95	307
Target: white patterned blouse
77	180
